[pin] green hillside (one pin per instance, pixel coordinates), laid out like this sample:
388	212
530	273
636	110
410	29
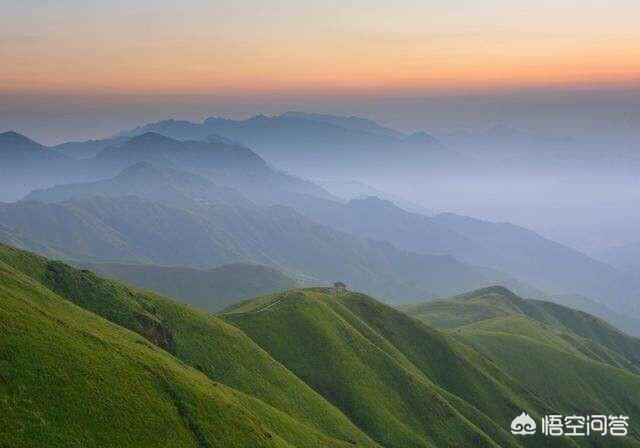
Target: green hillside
389	373
575	362
303	368
498	309
69	378
198	339
211	289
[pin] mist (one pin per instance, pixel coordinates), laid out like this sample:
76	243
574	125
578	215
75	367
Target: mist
605	114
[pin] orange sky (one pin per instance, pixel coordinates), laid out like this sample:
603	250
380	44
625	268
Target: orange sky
203	46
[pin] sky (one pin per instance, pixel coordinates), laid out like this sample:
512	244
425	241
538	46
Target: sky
74	68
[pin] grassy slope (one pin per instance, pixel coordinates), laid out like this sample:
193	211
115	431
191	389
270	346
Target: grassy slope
210	290
400	381
68	378
583	332
568	382
560	340
389	377
573	373
199	339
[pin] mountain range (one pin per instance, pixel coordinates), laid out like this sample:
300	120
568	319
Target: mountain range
145	197
133	229
519	252
300	368
315	145
206	289
26	164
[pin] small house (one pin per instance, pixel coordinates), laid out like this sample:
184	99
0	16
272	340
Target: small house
339	287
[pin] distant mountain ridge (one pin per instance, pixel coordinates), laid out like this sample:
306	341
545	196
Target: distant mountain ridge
178	188
314	144
210	290
550	266
227	165
208	180
352	123
519	252
87	149
26	164
130	229
502	247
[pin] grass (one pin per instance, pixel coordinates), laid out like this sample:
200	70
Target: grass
198	339
572	361
402	382
87	361
69	378
566	328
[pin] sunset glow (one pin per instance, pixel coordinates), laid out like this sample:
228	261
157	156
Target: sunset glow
216	47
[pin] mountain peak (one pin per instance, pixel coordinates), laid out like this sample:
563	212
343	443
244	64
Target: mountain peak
15	138
489	290
421	137
151	138
352	122
259	117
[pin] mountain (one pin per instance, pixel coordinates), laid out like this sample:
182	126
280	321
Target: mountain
227	165
524	255
353	189
553	267
594	364
88	148
499	309
17	145
304	368
624	321
178	188
370	343
143	379
319	146
134	230
15	238
177	129
26	164
380	219
351	123
211	289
